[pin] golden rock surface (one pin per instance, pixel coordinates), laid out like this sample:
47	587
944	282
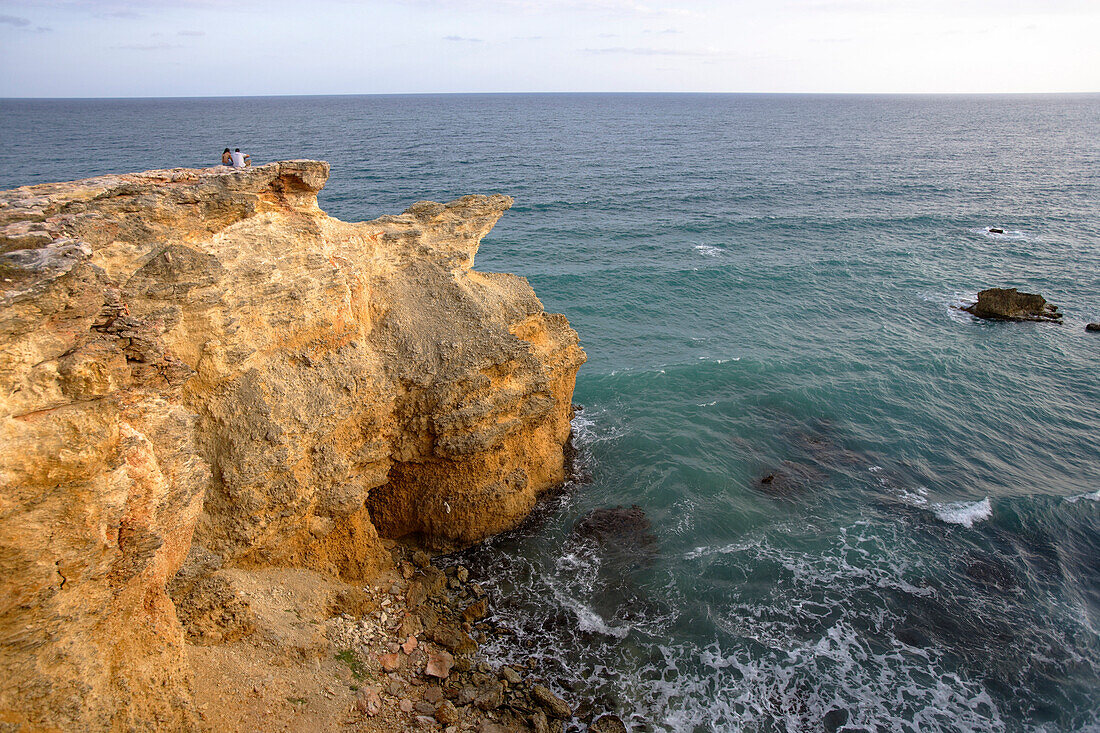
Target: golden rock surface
204	361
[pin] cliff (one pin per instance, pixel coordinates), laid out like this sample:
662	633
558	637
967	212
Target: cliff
203	362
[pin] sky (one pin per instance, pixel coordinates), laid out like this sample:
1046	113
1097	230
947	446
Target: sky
157	48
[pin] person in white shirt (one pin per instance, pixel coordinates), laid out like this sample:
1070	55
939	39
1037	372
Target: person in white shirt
240	160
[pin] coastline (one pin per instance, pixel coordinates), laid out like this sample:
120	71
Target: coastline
223	409
397	654
403	652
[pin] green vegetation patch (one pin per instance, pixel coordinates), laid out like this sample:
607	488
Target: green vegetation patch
358	669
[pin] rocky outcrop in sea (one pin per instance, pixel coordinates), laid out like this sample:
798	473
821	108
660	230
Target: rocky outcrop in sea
1008	304
201	369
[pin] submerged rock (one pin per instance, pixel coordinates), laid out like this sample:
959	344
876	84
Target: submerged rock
790	479
992	572
835	718
618	528
1008	304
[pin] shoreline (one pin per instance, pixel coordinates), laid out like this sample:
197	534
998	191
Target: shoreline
403	652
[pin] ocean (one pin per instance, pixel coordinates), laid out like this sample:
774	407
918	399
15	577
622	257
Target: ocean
859	508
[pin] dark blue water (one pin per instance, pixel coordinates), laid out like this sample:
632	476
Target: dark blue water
764	286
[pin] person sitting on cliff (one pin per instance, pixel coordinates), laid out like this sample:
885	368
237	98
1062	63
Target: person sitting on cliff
240	160
227	157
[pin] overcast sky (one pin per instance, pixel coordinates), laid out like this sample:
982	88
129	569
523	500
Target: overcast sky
107	48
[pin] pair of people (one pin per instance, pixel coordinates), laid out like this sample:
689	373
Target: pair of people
237	159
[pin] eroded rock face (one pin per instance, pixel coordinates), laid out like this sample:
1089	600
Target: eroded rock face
205	354
1008	304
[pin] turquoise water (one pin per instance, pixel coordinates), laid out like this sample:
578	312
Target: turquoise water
765	287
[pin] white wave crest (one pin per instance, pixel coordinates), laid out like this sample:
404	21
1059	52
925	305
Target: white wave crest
965	513
708	250
1094	496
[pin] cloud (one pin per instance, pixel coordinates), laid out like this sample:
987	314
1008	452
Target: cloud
146	46
121	14
463	39
23	24
191	33
646	51
613	7
665	32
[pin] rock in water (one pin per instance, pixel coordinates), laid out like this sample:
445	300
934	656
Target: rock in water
789	480
185	341
995	230
1008	304
1092	327
618	528
607	724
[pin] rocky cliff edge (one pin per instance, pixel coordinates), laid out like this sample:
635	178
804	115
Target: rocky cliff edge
204	362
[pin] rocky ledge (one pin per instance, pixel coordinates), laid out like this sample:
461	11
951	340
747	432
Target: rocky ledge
202	366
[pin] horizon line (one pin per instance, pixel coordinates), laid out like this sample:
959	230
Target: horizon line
553	93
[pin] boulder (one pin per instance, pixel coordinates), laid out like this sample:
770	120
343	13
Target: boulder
439	665
476	610
607	724
554	706
490	695
457	641
1008	304
447	713
1093	327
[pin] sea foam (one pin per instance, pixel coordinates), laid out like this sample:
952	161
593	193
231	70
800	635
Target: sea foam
965	513
708	250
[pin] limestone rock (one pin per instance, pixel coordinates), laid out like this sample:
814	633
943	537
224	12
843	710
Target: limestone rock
490	695
1008	304
476	610
459	642
439	665
205	353
607	724
551	703
446	713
